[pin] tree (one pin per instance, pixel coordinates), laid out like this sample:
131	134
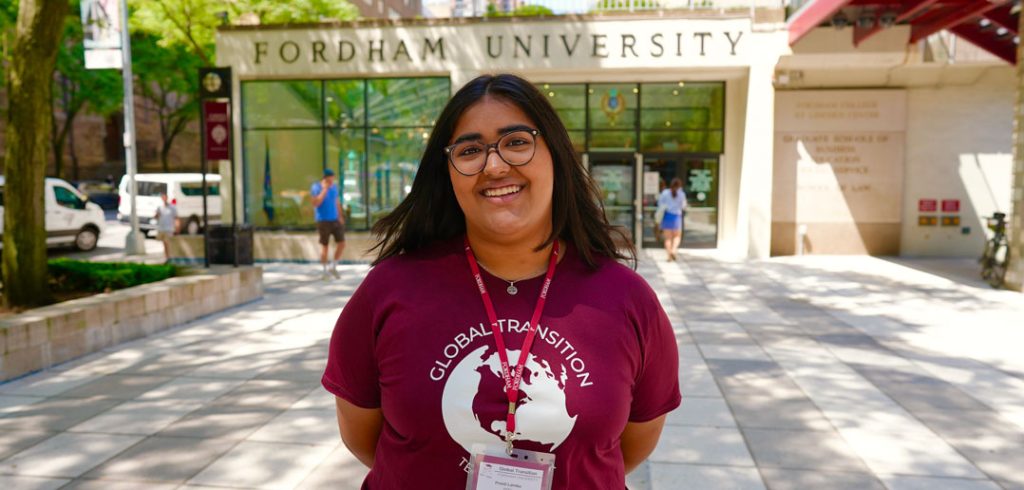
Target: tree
193	23
173	39
77	89
30	75
166	77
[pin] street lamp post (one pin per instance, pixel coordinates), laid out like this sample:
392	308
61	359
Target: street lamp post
134	243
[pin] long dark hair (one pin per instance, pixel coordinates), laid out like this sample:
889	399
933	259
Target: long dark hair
430	212
676	185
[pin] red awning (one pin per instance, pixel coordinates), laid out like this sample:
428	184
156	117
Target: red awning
990	24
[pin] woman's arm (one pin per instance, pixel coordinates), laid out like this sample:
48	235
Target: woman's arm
638	441
360	429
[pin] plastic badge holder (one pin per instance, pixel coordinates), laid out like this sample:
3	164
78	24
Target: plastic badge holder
491	468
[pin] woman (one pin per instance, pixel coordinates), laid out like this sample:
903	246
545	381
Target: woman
674	201
500	209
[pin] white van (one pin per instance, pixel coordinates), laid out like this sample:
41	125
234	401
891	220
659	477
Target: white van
185	191
70	218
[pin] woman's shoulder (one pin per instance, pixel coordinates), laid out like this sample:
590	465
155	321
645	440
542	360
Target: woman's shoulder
616	278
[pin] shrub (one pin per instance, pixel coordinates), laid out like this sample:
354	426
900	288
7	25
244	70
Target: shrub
68	275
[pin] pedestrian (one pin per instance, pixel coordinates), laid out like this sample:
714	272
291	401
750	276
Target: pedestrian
497	331
673	200
330	221
166	223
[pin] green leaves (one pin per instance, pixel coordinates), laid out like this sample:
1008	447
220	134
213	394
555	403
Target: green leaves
68	275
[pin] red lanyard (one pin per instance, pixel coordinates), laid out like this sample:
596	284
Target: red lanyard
512	381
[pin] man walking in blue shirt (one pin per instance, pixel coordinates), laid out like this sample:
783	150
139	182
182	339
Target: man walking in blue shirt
330	221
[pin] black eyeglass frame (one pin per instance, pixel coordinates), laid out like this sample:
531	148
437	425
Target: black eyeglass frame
487	151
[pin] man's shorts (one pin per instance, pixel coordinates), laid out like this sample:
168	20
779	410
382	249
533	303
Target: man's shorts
164	235
327	229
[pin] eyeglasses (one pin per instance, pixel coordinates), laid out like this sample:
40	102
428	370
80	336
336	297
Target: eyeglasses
514	148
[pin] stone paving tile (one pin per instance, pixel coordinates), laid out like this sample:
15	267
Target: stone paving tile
339	471
735	352
983	438
300	426
138	417
226	422
722	338
31	482
787	479
185	388
667	476
14	441
162	459
55	414
802	450
263	465
66	455
923	483
702	412
697	381
701	445
46	383
118	386
84	484
16	403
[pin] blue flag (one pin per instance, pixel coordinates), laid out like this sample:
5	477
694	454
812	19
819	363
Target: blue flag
268	192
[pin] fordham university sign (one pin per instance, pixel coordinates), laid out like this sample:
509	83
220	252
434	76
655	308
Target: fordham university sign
479	46
514	46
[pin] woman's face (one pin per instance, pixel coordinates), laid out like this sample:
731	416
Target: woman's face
503	202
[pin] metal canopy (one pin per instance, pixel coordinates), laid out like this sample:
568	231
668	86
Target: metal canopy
990	24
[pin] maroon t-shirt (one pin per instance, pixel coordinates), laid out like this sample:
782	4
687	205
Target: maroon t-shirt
414	341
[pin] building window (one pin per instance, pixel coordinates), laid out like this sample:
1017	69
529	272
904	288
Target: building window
370	132
677	117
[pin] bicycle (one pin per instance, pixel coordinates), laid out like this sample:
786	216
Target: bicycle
995	260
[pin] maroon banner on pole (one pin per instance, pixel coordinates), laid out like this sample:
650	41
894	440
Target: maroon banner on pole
218	130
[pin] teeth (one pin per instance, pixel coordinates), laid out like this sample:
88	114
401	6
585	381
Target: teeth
502	191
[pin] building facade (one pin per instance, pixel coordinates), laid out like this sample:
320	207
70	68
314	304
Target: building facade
814	148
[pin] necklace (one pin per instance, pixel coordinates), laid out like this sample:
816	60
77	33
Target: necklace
512	290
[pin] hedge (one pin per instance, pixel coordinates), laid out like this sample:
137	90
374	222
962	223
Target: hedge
68	275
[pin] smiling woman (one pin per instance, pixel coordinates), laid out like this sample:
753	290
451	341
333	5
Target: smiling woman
497	288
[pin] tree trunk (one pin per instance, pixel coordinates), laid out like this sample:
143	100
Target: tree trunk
1015	274
33	56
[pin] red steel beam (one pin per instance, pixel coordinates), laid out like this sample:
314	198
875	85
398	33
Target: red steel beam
913	9
1003	48
860	35
1003	17
952	18
812	15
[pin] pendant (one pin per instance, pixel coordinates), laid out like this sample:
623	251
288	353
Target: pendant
512	289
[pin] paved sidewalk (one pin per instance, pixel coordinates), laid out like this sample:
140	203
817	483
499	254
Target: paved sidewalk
810	372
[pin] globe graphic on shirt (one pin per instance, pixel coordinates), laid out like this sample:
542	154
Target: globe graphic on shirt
541	416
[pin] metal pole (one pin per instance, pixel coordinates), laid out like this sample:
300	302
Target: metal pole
234	180
133	245
204	168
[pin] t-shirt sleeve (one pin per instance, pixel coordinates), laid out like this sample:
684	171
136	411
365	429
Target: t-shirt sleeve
351	372
656	390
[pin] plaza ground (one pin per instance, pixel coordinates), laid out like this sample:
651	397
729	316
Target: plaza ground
799	372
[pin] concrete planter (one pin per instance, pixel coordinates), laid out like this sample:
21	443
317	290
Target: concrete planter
43	337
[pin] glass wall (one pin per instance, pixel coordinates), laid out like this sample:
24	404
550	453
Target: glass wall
677	117
371	132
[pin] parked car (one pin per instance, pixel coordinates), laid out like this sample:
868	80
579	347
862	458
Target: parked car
70	218
102	193
185	191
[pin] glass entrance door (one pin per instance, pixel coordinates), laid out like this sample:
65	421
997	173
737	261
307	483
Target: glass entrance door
615	177
699	174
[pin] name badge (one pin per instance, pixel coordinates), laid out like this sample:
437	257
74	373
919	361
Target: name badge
492	468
